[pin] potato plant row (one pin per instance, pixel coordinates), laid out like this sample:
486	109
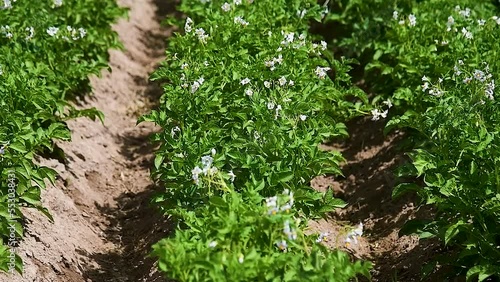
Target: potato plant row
249	97
438	61
48	49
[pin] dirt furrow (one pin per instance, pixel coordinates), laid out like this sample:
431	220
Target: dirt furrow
371	161
103	223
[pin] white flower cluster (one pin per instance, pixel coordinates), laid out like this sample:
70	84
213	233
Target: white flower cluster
271	63
31	33
316	48
52	31
249	92
231	175
7	4
207	168
302	13
377	114
188	27
323	237
6	31
466	33
196	84
289	232
352	236
76	33
202	36
482	76
200	32
282	81
289	40
240	20
479	75
273	206
496	19
457	69
282	245
464	13
3	146
434	90
58	3
226	7
73	32
277	108
174	130
321	71
245	81
450	23
489	90
412	19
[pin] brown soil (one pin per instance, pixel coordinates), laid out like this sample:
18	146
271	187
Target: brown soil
371	159
103	223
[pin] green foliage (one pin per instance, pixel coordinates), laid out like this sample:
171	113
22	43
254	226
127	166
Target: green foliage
48	52
440	71
233	238
249	93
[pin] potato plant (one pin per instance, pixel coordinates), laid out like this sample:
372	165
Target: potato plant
250	95
439	63
49	48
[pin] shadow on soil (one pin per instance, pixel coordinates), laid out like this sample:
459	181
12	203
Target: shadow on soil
135	224
369	180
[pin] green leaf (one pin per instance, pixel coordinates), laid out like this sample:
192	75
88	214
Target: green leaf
403	188
452	231
260	185
284	176
159	160
46	212
18	146
49	173
481	271
337	203
422	161
418	227
377	55
217	201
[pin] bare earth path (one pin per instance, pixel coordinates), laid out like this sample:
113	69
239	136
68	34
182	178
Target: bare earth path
371	160
103	223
